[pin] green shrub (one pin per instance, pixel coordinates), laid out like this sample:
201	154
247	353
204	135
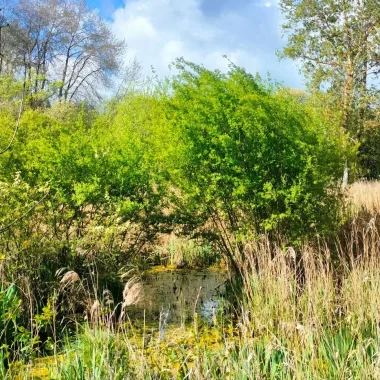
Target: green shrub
251	157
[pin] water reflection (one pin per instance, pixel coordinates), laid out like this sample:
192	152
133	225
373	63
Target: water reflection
180	294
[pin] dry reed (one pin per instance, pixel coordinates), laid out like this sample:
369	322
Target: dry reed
365	195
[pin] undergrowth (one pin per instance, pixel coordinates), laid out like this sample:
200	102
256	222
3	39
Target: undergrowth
306	313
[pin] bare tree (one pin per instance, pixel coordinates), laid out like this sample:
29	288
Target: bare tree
90	53
61	45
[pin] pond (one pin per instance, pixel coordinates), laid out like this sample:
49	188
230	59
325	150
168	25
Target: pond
176	295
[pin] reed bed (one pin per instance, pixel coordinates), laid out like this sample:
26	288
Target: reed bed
365	195
306	313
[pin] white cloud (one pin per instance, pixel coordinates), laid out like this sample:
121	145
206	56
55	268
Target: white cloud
140	27
158	31
171	50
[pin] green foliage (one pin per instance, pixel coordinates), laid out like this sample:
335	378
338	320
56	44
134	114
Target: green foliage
17	341
338	45
9	313
96	354
224	157
252	157
318	31
370	152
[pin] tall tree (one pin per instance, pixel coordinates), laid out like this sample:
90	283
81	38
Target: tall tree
35	27
89	52
60	42
338	43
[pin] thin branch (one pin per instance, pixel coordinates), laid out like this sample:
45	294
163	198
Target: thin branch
7	227
17	123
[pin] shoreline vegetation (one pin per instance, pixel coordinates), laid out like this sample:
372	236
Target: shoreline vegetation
250	180
311	312
213	224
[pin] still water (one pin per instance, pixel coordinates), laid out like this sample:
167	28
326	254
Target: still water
179	294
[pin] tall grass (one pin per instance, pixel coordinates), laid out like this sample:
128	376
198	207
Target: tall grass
181	252
302	317
307	313
365	196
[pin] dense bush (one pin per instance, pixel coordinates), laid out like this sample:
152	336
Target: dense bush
79	190
253	158
226	157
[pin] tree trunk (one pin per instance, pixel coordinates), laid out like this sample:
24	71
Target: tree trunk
347	98
345	176
64	73
347	104
363	94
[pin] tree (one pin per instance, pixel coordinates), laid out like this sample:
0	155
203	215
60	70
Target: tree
11	93
62	44
338	43
90	53
252	159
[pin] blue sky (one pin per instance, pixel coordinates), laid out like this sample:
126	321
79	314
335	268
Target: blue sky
158	31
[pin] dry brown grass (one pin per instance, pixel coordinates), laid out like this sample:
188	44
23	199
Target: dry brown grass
365	196
293	293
